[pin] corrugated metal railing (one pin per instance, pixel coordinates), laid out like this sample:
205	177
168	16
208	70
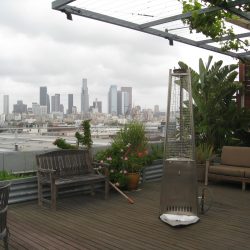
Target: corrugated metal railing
26	189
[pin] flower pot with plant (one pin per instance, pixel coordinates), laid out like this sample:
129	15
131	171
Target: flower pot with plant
127	155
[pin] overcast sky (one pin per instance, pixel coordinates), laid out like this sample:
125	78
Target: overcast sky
40	47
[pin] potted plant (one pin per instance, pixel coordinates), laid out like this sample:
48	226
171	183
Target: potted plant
203	152
127	155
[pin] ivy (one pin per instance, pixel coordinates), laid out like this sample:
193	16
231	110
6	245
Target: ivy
213	24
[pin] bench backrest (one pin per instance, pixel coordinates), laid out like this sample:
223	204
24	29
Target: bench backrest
236	156
66	162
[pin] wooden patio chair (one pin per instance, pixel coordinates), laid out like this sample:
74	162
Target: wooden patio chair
4	197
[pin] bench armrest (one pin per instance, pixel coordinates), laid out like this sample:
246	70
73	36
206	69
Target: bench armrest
103	167
43	170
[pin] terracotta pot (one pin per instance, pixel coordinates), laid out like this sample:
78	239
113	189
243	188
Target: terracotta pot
133	180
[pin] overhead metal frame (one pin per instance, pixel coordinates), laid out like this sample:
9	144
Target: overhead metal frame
63	6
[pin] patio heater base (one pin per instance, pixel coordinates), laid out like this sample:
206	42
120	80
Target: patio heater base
179	220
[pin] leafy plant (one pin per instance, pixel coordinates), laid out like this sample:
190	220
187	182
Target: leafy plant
216	114
61	143
128	153
212	24
203	152
85	139
5	175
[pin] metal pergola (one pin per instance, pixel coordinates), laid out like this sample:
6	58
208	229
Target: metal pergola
157	26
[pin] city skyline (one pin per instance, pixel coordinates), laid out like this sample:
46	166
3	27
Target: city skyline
43	48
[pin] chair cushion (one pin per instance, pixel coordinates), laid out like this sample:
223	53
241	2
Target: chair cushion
235	156
227	170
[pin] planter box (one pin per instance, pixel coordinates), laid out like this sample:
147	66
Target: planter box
153	172
23	189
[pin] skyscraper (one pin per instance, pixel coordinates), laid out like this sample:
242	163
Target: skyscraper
57	102
97	105
6	109
128	106
48	104
53	107
70	103
112	100
84	97
43	96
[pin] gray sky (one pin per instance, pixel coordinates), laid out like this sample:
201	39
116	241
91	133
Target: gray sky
40	47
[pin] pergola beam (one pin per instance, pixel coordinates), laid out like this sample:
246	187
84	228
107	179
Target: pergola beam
61	5
134	26
189	14
247	34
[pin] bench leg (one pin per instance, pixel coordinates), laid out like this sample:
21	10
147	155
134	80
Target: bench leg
206	173
6	240
40	193
243	186
92	186
106	189
53	196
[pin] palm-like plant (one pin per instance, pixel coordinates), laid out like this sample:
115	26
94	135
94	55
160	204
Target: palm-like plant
216	114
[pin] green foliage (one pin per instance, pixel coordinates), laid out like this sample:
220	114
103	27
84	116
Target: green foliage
5	175
157	151
212	24
61	143
203	151
85	139
128	153
216	114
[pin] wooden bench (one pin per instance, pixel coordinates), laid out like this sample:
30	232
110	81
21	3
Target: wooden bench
233	165
62	168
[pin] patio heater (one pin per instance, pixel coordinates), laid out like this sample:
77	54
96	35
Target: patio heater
179	190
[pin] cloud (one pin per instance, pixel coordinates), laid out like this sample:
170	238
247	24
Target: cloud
39	47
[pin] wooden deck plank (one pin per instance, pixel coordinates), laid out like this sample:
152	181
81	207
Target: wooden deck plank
86	222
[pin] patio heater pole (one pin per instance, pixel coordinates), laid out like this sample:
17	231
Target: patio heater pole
179	200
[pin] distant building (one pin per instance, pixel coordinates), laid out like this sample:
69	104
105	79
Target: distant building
6	104
19	108
127	106
43	96
84	97
74	110
57	102
48	104
156	109
70	103
61	108
112	100
53	104
97	105
35	108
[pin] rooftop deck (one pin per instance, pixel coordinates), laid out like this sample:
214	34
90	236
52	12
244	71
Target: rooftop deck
86	222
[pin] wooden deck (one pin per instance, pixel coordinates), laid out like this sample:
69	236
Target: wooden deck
86	222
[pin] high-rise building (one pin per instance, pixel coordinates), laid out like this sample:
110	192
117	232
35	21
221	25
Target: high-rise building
57	103
125	103
70	103
19	108
53	104
61	108
119	102
97	105
35	108
156	109
43	96
112	100
129	96
84	97
48	104
6	104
